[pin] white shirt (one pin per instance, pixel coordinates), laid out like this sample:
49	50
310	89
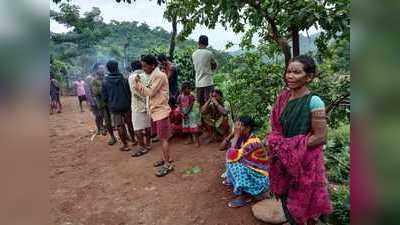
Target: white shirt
139	102
202	59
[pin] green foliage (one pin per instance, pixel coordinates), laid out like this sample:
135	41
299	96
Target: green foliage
340	196
91	41
273	21
333	86
250	85
59	70
337	153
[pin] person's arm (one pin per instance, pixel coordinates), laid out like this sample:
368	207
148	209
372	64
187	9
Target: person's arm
192	100
131	81
152	90
104	92
220	107
204	108
318	128
214	64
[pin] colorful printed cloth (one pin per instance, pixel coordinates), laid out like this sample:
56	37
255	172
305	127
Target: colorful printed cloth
244	179
188	106
247	166
295	170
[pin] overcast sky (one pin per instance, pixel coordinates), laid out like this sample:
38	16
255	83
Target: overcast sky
152	14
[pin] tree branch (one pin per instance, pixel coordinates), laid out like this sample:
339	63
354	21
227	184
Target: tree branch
334	104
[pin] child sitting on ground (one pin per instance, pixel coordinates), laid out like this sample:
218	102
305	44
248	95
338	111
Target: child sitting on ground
190	113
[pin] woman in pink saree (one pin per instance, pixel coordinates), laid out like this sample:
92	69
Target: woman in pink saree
296	160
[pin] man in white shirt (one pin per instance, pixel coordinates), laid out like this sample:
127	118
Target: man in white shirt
204	65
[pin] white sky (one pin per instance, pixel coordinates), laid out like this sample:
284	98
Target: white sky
152	14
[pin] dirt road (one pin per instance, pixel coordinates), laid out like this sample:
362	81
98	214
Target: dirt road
92	183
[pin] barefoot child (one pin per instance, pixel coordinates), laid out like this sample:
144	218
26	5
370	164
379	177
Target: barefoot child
190	113
158	92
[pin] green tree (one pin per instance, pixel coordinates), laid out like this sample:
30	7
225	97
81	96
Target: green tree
275	22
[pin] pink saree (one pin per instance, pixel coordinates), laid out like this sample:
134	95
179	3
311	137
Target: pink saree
296	171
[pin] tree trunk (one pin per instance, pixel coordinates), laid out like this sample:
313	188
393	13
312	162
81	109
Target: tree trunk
173	38
283	43
295	41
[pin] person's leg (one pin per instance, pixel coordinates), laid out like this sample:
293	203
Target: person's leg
58	104
140	138
127	117
122	134
164	133
109	127
98	119
288	216
196	139
118	122
148	137
80	99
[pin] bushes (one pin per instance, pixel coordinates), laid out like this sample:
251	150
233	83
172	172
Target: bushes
337	154
250	86
340	196
337	163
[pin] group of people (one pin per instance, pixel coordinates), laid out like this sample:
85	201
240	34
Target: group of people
288	163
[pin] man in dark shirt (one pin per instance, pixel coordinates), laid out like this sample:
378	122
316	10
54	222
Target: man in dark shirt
117	95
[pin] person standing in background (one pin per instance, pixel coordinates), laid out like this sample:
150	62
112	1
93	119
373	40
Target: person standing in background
96	101
117	95
204	65
55	102
80	92
140	113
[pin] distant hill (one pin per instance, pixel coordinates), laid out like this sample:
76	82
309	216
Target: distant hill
307	44
123	40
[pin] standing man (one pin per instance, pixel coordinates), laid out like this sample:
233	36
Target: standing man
140	114
158	91
55	102
80	92
117	95
97	104
204	65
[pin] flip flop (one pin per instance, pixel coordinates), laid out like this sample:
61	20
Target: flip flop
237	203
139	152
161	162
124	148
164	170
112	141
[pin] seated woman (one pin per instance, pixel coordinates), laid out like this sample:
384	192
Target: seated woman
215	115
246	164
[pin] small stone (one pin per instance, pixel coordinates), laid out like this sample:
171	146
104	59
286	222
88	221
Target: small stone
270	211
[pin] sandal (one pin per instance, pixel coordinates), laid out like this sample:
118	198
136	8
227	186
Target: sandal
124	148
164	170
139	152
161	162
103	132
112	141
237	203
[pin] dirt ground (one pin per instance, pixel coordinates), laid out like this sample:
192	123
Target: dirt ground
92	183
